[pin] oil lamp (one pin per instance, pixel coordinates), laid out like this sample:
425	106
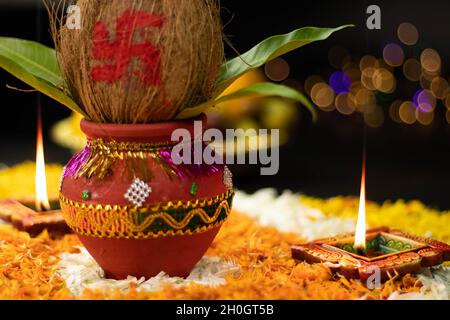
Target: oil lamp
36	213
389	251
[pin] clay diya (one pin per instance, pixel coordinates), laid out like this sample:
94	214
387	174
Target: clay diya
137	212
34	214
392	251
22	214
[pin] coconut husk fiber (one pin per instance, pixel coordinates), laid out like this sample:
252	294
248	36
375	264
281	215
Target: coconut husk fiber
153	74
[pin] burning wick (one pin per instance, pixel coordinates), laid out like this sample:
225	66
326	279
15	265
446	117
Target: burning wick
42	203
360	234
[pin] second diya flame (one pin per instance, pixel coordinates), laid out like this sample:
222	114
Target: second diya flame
360	234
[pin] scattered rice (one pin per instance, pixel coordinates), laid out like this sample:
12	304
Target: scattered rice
289	214
80	272
435	286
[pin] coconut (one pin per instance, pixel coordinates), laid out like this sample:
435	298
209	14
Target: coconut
140	61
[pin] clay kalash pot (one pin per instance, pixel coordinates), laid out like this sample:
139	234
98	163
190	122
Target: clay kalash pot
135	211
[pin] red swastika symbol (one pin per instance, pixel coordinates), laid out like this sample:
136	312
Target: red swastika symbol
117	53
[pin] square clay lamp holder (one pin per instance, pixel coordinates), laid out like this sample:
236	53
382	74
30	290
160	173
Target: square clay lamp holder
22	215
394	252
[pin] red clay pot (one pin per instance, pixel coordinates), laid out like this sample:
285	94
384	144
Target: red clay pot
168	231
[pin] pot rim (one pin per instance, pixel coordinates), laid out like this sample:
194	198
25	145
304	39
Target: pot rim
151	132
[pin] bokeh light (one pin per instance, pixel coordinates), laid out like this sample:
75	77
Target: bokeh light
384	81
310	82
352	70
407	112
424	100
323	96
439	88
430	61
365	100
394	111
367	76
430	75
368	62
424	118
345	103
375	86
412	70
277	70
383	65
393	55
425	83
340	82
407	33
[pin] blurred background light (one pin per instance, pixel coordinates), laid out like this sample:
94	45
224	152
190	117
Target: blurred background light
367	77
407	112
424	100
345	103
310	82
365	100
407	33
368	62
323	96
412	70
277	70
431	61
439	88
384	81
393	55
424	118
340	82
394	111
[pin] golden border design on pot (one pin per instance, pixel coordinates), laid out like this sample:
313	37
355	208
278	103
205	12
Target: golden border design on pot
130	222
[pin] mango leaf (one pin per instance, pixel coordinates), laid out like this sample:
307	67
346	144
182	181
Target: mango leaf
257	89
39	84
268	50
33	57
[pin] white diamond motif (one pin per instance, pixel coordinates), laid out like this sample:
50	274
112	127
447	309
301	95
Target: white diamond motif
138	192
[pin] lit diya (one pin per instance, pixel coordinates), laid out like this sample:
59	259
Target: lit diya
383	251
35	214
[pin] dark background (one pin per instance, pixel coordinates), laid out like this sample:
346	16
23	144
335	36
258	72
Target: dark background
324	159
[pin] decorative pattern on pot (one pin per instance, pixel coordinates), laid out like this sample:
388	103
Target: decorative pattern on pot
164	219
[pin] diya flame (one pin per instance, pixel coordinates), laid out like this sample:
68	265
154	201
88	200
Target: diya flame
41	202
360	234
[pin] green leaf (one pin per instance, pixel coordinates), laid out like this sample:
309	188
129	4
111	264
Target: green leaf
257	89
268	50
39	84
33	57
